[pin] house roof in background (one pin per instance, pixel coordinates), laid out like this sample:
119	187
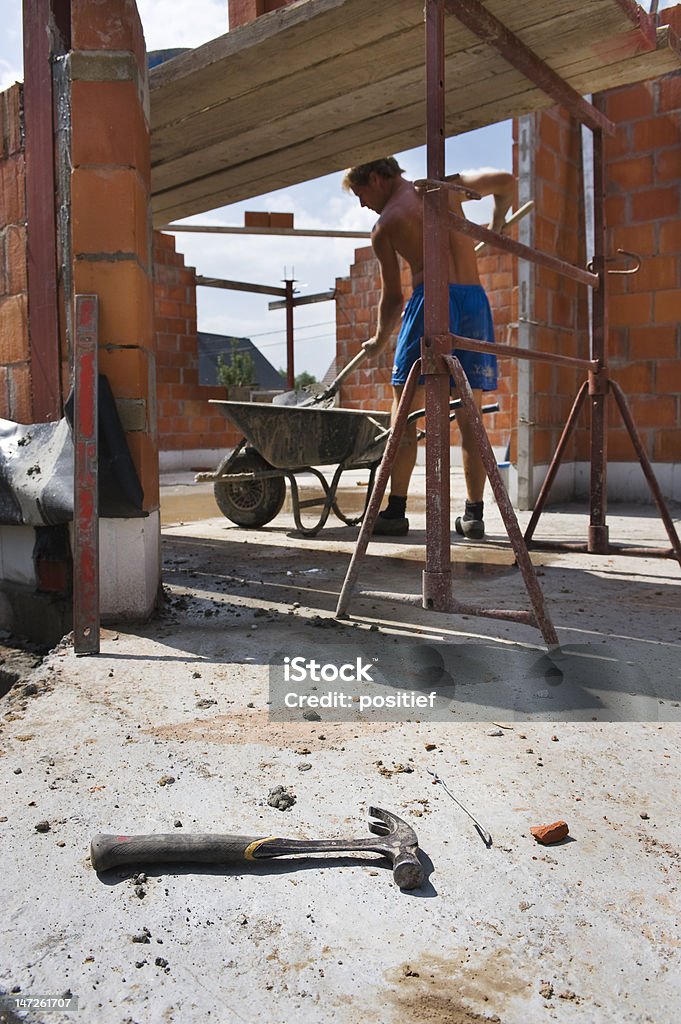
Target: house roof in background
212	345
320	85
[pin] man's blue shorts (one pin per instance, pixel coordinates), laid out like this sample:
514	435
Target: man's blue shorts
469	317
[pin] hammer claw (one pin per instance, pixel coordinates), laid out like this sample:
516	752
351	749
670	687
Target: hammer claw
379	828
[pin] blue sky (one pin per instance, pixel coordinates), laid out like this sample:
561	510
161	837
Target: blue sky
314	263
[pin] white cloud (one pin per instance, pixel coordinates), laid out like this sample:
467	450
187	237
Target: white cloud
9	74
171	23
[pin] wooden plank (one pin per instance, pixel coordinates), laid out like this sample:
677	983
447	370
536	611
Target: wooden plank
298	140
268	48
239	286
355	143
243	103
290	36
285	120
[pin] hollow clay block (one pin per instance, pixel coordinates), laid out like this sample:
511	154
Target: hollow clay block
547	834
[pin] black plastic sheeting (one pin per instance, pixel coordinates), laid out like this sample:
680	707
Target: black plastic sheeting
36	468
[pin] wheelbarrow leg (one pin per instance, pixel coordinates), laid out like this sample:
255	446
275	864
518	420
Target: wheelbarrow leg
327	503
382	477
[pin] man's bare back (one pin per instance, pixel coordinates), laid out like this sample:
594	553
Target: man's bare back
402	221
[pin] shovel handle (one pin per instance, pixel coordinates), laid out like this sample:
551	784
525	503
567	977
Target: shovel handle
337	381
107	851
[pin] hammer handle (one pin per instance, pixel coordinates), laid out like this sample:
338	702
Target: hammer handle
115	851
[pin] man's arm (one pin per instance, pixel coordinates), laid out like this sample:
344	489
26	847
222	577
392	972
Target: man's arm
499	184
391	301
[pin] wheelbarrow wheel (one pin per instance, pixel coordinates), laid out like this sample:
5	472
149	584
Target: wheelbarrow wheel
249	502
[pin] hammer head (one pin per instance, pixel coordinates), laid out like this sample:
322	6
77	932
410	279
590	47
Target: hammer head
400	844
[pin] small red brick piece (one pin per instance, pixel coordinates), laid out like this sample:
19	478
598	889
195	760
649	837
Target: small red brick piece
256	219
548	834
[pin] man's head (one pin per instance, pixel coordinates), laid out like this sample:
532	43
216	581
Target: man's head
373	183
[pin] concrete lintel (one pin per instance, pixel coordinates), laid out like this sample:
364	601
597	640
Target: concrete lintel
110	66
103	66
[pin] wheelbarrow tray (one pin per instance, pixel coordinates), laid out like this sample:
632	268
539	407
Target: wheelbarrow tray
293	437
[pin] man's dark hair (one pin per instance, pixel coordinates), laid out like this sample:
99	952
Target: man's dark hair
387	167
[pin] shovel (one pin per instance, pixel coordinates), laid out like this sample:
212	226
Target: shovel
324	398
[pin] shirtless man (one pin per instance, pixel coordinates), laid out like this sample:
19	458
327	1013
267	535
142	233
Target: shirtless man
379	186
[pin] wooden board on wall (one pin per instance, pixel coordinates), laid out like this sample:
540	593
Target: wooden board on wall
321	84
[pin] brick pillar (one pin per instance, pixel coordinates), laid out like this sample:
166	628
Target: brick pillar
15	369
241	12
112	258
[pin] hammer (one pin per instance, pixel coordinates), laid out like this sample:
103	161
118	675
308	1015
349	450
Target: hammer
397	841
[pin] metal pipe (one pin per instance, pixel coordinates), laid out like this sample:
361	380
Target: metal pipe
502	349
498	241
541	616
598	385
42	260
555	462
621	400
513	219
290	371
239	286
474	16
437	585
210	229
378	491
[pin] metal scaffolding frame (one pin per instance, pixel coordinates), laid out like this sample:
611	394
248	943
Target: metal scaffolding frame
436	363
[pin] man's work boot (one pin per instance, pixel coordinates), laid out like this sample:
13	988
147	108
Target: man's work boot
471	524
390	526
392	521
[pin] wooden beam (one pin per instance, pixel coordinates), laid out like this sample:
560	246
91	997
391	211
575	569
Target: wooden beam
239	286
305	300
43	311
220	229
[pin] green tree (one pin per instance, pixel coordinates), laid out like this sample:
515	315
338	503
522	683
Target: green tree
306	380
239	371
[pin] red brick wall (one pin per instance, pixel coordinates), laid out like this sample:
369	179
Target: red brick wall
186	421
644	216
15	371
560	305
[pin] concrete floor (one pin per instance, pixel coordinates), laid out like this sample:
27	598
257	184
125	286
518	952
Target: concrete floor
169	730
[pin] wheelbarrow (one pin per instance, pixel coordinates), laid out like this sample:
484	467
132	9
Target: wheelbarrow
282	441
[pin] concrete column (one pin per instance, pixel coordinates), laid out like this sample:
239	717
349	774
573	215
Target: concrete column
112	258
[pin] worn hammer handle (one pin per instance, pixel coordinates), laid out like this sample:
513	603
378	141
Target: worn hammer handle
116	851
